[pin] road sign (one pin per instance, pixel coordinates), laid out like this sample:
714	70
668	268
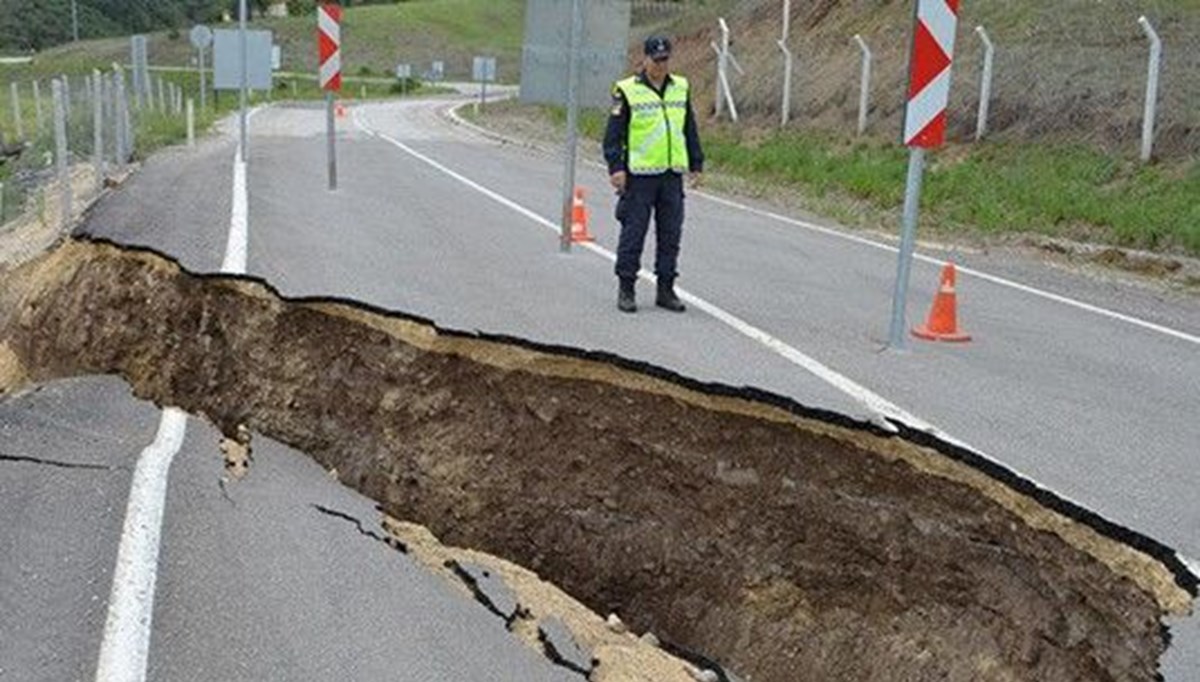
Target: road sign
329	46
929	73
276	57
484	69
201	37
924	128
227	65
403	71
600	51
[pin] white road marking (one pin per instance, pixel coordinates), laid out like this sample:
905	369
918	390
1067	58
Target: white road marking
125	648
239	228
1111	314
875	404
813	227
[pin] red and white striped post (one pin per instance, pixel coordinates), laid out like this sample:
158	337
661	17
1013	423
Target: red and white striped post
924	127
329	53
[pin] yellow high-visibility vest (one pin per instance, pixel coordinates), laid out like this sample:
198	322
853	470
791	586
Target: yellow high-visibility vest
656	140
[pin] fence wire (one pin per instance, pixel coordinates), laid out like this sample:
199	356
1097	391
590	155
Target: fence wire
91	121
1071	71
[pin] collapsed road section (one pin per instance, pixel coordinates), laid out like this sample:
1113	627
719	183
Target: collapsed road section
783	542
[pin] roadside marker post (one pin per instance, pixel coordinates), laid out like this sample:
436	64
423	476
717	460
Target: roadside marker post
201	38
329	52
924	128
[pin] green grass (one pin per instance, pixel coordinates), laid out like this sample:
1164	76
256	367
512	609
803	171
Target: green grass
1070	191
1059	190
375	38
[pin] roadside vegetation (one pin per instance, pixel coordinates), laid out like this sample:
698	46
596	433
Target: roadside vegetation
1062	190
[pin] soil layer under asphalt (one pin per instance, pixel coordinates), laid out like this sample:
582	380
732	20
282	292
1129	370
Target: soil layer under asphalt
785	543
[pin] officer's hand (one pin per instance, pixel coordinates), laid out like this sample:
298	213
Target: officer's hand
695	180
618	181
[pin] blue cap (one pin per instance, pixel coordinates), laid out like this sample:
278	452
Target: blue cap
657	47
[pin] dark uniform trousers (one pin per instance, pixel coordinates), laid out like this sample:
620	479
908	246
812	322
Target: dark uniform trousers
663	195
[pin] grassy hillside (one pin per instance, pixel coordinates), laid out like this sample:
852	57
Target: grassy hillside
374	39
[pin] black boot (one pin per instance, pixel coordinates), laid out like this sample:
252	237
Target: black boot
626	299
666	296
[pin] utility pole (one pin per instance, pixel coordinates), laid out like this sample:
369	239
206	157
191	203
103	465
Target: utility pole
75	20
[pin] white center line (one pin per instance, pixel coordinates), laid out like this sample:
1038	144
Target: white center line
875	405
126	646
125	649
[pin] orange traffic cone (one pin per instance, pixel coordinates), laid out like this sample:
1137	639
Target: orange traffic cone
942	324
579	219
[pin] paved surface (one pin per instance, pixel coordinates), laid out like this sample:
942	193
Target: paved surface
1097	409
255	582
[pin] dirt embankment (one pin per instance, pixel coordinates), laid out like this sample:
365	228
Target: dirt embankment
785	543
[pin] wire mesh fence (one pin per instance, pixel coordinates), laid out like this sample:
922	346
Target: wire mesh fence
1071	71
63	137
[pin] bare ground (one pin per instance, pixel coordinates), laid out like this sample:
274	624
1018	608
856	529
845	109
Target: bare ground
786	543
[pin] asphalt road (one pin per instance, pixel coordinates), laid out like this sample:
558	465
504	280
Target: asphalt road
1096	408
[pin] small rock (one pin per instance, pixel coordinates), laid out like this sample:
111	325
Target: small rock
616	624
702	675
650	639
738	478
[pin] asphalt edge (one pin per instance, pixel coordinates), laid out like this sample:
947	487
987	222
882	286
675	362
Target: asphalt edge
1185	577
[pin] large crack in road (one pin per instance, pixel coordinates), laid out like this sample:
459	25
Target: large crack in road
785	542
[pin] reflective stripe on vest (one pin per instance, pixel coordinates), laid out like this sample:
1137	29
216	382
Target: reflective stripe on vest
656	140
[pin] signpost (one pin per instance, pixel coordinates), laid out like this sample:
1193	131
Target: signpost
329	52
483	71
202	39
403	74
924	127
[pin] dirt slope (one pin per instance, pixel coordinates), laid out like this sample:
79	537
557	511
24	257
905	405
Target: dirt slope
786	543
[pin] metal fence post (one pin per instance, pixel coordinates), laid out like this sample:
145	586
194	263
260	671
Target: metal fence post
37	105
722	66
787	65
66	86
98	127
16	105
121	118
191	123
985	84
864	95
62	167
1151	88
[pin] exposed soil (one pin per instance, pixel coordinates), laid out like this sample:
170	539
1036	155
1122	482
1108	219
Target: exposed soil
786	543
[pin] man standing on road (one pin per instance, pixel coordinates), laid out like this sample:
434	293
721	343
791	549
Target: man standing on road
650	143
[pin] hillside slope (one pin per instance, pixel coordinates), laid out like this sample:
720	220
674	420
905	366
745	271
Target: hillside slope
1072	69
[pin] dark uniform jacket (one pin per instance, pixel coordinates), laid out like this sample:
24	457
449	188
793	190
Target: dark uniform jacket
616	137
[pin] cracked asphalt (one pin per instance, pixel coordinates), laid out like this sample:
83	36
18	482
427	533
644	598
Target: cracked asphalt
1085	392
277	576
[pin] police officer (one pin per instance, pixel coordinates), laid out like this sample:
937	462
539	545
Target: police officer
650	143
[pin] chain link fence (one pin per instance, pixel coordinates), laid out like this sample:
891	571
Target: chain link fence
65	137
1072	71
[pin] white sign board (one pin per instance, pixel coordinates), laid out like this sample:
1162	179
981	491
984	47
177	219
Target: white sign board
437	71
403	71
276	57
484	69
227	65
